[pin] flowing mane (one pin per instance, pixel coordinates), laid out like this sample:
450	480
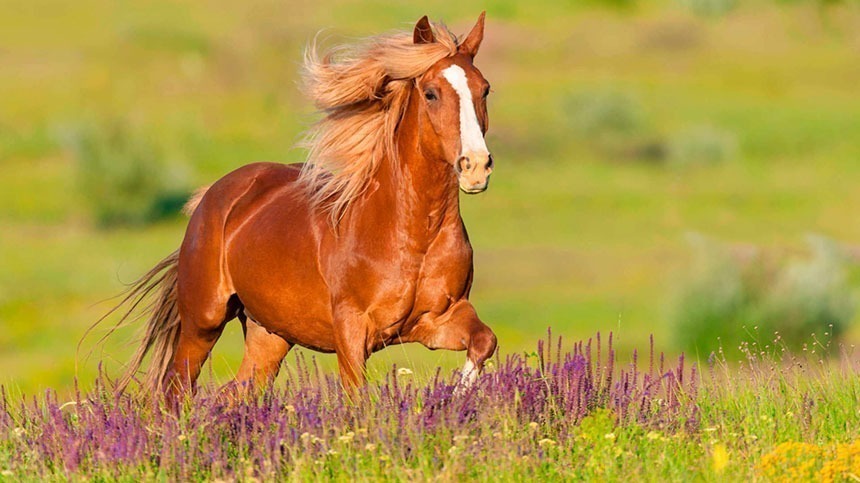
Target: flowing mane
363	91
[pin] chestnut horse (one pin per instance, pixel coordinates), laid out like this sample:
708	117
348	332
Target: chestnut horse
361	247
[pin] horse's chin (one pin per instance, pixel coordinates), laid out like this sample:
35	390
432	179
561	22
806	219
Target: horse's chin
474	191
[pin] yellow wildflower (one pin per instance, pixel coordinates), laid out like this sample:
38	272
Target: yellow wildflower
347	437
719	458
546	442
791	461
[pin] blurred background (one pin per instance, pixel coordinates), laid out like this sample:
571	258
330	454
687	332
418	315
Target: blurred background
686	169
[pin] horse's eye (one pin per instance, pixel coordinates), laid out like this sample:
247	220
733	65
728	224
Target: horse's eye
430	95
486	92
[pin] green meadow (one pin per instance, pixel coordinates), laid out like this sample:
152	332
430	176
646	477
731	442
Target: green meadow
585	227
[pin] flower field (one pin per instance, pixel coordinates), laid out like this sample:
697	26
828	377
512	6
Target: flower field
561	412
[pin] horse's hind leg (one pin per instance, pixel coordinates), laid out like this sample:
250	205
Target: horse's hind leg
202	322
264	352
195	344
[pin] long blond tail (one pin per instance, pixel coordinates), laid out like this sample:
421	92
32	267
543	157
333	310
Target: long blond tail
156	292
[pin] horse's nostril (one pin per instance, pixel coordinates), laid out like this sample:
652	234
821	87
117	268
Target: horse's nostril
490	161
462	164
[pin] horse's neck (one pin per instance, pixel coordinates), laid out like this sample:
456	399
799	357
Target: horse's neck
420	193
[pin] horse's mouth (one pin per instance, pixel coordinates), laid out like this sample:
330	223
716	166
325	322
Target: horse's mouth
474	190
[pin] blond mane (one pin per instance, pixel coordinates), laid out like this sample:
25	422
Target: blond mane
363	91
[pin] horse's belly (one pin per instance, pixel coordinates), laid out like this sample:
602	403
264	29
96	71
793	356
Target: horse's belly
302	321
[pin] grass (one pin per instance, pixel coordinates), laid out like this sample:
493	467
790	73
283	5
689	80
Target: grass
560	412
565	235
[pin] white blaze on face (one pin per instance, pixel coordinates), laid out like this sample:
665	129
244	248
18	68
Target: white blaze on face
471	138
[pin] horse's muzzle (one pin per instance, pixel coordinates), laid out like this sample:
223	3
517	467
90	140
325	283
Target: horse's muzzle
473	172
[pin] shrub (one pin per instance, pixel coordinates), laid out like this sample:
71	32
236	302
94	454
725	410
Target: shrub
616	125
122	176
714	300
811	295
726	300
610	121
701	145
605	113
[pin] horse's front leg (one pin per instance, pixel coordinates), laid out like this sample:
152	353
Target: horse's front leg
350	339
459	328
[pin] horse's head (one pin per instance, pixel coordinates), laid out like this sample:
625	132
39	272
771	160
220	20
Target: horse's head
453	97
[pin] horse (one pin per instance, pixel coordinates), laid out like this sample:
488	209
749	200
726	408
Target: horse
359	248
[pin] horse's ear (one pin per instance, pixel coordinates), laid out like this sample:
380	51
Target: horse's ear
472	41
423	33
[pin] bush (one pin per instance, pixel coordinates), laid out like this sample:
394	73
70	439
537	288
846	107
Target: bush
614	124
605	115
701	145
811	295
726	299
122	176
714	300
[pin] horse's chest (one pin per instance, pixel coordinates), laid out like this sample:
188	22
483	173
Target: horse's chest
400	283
436	282
445	275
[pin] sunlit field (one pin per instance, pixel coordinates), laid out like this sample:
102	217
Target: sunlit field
632	140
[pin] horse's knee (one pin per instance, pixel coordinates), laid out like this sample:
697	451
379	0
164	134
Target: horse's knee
482	345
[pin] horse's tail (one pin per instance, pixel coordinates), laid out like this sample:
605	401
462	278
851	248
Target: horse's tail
156	291
195	199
